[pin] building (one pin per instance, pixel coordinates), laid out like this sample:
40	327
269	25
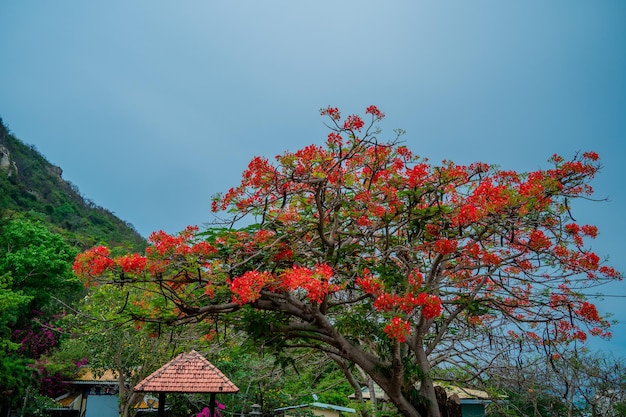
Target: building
95	395
472	401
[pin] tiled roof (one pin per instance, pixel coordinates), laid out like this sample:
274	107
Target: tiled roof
188	372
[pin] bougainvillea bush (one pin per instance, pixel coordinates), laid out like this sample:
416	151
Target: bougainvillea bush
362	249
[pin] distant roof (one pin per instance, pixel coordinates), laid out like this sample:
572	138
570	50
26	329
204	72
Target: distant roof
88	376
465	394
319	405
65	401
188	372
365	392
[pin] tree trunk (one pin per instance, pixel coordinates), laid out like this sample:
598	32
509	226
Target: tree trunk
404	406
391	384
454	406
427	388
442	401
121	383
373	400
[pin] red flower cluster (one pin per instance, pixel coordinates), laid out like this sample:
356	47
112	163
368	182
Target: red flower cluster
398	329
316	281
373	110
430	304
334	140
93	263
446	246
332	112
589	312
538	241
353	122
247	287
164	244
132	263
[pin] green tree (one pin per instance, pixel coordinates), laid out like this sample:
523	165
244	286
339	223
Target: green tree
35	269
39	261
14	371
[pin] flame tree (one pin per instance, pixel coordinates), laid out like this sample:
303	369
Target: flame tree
365	251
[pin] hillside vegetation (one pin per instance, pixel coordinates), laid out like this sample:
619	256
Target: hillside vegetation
32	187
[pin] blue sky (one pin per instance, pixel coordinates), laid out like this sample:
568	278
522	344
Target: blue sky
151	107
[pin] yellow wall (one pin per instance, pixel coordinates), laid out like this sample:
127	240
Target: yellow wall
318	412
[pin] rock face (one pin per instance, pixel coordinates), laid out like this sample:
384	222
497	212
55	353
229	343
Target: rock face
56	171
5	155
4	158
5	161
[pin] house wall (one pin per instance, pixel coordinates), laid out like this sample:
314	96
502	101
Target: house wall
102	406
325	413
318	412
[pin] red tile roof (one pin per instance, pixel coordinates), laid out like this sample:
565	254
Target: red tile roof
188	372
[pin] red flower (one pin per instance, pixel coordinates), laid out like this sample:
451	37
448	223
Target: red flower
353	122
538	240
134	263
588	311
332	112
591	231
334	139
247	287
431	305
92	263
446	246
398	329
373	110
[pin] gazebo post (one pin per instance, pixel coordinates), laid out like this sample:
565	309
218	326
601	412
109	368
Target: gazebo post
212	405
161	412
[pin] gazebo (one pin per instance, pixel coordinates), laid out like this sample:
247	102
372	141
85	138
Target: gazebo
187	373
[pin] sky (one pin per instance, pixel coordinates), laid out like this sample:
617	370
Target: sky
151	107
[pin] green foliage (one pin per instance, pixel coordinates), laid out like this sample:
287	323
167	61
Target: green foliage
619	409
11	301
275	378
35	265
36	405
38	261
15	378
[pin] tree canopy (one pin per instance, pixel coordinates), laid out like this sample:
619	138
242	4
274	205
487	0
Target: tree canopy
35	267
363	250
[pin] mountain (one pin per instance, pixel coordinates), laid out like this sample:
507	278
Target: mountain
33	187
